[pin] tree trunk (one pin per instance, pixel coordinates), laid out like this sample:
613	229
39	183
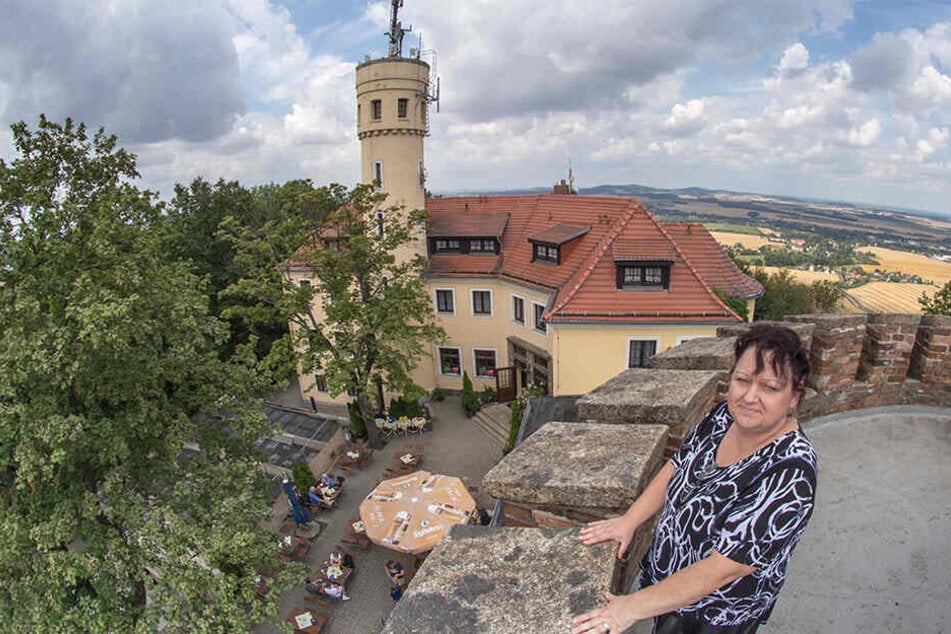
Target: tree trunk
374	438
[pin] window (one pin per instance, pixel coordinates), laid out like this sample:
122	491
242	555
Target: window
481	246
445	301
378	173
640	351
484	363
518	310
539	322
450	245
545	253
304	282
376	107
422	175
380	229
633	276
481	302
450	361
401	105
320	382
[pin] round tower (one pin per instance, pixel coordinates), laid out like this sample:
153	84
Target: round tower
392	94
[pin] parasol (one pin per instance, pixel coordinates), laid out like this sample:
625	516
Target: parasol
412	513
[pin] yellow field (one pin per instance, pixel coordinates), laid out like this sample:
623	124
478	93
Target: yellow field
748	241
803	277
891	297
909	263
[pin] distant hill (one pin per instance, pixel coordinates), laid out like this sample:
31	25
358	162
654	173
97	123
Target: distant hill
885	226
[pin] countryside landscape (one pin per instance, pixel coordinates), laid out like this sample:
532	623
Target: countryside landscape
882	260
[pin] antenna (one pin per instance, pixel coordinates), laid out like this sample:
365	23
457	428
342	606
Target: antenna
396	30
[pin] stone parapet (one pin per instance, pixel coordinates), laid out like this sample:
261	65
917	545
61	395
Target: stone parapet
931	355
650	397
482	580
886	349
594	469
703	353
835	351
802	328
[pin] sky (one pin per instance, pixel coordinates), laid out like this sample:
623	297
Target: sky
831	99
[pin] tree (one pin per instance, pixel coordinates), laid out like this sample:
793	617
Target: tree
825	296
939	304
109	367
782	296
366	319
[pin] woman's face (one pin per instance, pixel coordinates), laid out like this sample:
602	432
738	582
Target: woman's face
760	402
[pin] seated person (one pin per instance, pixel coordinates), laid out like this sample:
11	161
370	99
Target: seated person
326	482
313	496
348	562
334	590
395	571
396	592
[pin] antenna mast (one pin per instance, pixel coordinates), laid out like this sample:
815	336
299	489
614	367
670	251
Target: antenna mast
396	30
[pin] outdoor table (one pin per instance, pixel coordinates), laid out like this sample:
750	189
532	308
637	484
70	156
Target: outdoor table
409	458
338	576
316	621
351	456
294	547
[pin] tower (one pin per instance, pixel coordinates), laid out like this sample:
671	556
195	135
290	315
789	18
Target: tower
392	104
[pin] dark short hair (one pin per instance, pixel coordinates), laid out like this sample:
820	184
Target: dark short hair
785	346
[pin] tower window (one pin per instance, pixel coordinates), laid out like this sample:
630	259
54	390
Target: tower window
401	106
377	107
378	173
380	230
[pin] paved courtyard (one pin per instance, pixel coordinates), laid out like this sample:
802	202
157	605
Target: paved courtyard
456	447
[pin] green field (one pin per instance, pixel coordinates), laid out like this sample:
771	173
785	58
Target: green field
731	228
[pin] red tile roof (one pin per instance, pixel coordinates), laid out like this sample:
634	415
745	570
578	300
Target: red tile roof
584	285
560	233
712	262
463	224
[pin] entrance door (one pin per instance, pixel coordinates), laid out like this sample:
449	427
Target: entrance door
505	384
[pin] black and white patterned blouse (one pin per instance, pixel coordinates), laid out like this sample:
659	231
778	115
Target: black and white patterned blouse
753	511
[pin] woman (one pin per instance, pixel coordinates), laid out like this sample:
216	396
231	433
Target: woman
736	498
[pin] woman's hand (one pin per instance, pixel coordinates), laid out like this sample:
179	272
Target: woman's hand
620	529
613	618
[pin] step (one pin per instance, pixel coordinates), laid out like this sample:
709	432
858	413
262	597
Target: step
494	420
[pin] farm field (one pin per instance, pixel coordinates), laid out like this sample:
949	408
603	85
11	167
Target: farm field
748	241
909	263
803	277
891	297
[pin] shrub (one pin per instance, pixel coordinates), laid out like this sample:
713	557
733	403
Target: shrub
405	406
438	394
517	408
488	395
303	476
470	402
358	426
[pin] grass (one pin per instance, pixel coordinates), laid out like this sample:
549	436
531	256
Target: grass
732	228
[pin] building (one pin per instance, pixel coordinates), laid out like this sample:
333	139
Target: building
559	291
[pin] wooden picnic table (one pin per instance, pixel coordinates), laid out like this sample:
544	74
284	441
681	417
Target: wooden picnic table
409	458
294	547
353	456
340	579
318	620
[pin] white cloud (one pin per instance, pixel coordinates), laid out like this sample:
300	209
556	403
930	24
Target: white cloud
795	58
685	119
866	134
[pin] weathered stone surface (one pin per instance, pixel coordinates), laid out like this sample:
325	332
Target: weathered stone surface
499	580
579	465
649	396
704	353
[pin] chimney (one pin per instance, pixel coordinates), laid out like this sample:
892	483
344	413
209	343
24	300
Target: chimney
562	188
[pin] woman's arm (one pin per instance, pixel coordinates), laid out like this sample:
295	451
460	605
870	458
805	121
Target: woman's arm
622	528
684	587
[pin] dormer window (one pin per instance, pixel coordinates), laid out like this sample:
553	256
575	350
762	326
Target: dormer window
479	245
643	275
448	245
546	253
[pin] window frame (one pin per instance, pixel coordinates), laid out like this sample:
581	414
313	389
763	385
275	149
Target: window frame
305	281
639	339
643	267
376	109
472	302
318	379
378	174
452	301
458	351
402	108
515	319
447	248
542	252
535	319
475	364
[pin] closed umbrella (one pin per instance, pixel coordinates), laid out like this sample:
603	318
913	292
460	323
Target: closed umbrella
412	513
301	515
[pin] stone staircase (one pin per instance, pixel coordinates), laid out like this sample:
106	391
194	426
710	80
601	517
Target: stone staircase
494	420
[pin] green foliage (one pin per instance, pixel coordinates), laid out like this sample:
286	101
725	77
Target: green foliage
940	304
358	425
109	365
518	406
303	476
470	402
438	394
377	319
405	406
737	305
488	395
784	296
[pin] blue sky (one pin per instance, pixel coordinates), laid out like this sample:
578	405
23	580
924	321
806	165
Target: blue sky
834	99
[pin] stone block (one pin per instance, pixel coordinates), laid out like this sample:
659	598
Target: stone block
802	328
648	396
481	580
704	353
579	466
